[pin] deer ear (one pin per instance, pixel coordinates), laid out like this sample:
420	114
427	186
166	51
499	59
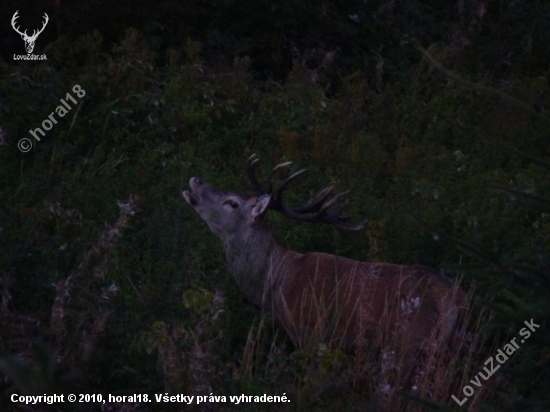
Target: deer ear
260	208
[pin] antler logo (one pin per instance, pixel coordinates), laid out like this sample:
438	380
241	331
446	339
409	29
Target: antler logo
29	40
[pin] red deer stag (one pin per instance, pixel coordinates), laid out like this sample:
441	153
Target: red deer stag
318	297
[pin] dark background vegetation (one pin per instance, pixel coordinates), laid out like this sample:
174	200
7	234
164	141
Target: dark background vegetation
434	114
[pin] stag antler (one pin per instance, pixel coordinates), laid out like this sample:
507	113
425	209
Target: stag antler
35	32
46	20
13	22
315	210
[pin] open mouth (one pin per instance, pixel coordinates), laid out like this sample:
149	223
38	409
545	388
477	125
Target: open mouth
190	195
190	198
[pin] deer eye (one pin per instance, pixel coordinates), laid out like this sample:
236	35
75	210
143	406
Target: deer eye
231	203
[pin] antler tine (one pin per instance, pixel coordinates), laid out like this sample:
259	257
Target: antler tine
341	222
337	212
278	200
250	168
354	228
273	172
315	203
335	217
332	201
322	215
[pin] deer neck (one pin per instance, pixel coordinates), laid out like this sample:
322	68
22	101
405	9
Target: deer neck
252	257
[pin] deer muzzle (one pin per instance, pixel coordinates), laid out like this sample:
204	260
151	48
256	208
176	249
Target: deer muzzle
191	197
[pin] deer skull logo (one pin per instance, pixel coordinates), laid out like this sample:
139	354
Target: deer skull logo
29	40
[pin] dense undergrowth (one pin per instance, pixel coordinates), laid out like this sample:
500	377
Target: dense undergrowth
111	284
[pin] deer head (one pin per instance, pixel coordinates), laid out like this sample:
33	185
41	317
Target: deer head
228	213
29	40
